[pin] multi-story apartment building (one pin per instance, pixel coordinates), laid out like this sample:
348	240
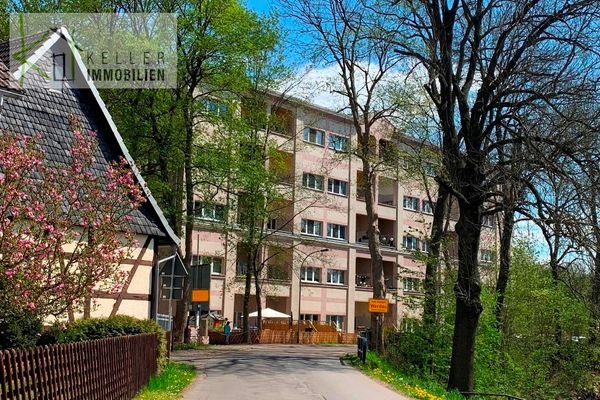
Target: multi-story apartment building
325	210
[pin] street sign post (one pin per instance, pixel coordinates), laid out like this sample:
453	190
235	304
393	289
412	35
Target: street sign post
379	305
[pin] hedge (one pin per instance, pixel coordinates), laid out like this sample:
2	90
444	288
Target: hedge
100	328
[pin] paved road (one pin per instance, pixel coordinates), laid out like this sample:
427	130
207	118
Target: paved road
276	372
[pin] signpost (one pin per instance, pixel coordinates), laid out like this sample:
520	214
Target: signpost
200	276
379	305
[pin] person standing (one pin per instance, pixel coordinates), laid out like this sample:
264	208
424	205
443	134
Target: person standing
227	331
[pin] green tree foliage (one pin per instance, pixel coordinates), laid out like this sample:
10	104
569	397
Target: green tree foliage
518	359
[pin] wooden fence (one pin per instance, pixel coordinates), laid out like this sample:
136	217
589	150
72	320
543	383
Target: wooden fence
105	369
277	336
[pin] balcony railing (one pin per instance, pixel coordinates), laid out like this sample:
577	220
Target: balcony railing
384	240
365	281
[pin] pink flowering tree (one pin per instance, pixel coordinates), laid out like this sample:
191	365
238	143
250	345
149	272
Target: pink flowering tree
64	228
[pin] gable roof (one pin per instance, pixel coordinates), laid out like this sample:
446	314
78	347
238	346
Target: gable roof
46	111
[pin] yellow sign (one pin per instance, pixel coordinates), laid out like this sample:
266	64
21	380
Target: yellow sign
200	295
378	305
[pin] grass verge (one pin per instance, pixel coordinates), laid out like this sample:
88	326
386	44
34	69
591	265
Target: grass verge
409	385
169	384
190	346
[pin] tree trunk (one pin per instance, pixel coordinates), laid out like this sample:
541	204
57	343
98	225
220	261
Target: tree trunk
431	283
555	361
377	336
467	291
245	311
595	297
508	223
258	296
595	293
181	314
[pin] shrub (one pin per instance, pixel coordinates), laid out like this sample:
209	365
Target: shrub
19	328
101	328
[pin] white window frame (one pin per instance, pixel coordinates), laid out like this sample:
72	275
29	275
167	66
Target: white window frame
310	317
241	268
310	274
337	231
203	259
430	169
338	143
331	187
308	223
410	203
487	221
413	240
427	207
487	256
337	320
410	284
336	276
313	181
312	135
208	211
216	107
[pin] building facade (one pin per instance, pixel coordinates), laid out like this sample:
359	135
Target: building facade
34	103
324	209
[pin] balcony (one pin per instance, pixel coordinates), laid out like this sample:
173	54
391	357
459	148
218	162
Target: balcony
281	164
364	281
387	228
364	275
386	194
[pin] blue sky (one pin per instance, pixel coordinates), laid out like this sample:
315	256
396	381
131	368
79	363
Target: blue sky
260	6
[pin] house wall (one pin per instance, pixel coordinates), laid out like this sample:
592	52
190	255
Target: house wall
135	297
348	299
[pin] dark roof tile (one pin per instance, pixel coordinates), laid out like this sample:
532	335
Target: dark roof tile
45	111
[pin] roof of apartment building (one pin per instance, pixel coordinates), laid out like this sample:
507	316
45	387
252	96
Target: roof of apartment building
38	109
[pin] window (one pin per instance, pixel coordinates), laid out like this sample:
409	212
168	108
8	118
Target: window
171	289
410	242
487	220
215	107
411	284
338	143
272	223
214	262
337	320
310	317
410	203
337	187
430	169
310	227
487	256
210	211
310	274
241	268
427	207
336	231
404	163
312	181
335	276
315	136
425	246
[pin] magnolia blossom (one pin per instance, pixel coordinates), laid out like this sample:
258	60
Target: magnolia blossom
64	229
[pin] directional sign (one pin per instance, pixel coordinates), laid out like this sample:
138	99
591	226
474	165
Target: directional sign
378	305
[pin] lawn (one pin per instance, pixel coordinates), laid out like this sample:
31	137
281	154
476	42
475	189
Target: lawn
169	384
400	381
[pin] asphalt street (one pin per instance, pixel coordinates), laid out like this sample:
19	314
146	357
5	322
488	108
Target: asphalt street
279	372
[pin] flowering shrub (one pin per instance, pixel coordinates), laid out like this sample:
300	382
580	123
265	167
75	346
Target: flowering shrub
64	228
